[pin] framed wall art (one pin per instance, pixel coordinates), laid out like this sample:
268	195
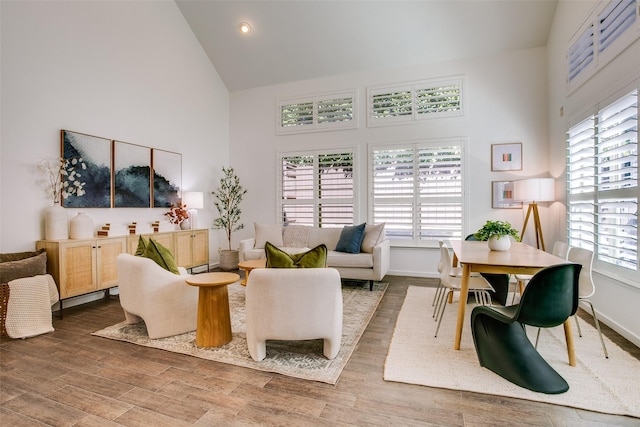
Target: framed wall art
506	157
166	177
502	196
131	175
96	172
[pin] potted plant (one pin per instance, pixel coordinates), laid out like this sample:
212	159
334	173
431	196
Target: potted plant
227	198
498	235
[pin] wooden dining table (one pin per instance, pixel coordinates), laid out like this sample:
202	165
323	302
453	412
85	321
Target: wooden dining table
476	256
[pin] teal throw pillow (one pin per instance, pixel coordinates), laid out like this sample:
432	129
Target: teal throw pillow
161	255
315	258
351	239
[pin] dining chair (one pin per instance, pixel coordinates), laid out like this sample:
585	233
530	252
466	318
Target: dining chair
477	285
500	339
454	271
499	282
560	249
587	288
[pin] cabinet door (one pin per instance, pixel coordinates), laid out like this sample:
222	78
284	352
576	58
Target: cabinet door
77	275
184	250
200	247
107	251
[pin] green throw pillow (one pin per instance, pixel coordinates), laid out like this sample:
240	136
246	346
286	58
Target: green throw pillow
161	255
315	258
142	245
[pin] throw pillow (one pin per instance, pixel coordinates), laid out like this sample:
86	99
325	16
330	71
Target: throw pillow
161	255
26	267
315	258
373	234
295	236
17	256
142	245
351	239
268	233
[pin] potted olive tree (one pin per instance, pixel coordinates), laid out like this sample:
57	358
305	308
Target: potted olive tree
227	198
498	235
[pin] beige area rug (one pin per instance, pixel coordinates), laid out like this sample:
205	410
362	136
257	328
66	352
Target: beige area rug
595	384
300	359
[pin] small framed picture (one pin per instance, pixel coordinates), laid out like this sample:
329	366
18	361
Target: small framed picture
506	157
502	195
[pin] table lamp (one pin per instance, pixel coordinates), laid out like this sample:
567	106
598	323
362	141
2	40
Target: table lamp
193	200
534	190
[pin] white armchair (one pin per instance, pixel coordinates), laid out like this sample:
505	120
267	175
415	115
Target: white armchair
162	299
293	304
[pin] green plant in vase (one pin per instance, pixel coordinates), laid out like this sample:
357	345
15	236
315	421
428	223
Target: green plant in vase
498	234
227	198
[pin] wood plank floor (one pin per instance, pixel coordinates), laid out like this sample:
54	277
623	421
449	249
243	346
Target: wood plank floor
70	378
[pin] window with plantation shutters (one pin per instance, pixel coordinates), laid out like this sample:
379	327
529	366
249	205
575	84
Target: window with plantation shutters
317	113
610	29
408	102
602	183
416	189
317	188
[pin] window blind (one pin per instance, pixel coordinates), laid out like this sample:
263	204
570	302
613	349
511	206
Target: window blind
317	112
614	20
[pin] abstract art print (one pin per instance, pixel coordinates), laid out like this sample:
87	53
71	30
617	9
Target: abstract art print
96	155
502	196
132	175
506	157
167	178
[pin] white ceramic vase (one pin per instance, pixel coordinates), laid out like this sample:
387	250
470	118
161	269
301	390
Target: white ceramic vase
81	227
185	224
499	243
56	224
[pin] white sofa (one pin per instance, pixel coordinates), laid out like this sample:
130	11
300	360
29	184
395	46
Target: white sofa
371	263
293	304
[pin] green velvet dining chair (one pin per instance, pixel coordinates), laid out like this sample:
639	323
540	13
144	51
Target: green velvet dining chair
499	335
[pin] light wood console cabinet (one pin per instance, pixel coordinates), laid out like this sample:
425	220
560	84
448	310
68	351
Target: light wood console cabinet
189	247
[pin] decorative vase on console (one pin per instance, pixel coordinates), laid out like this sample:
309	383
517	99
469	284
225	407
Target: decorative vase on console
56	225
81	227
185	224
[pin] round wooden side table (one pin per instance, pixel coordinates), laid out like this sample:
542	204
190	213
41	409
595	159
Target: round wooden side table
249	265
214	320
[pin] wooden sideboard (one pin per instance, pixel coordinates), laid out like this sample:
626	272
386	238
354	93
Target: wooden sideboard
82	266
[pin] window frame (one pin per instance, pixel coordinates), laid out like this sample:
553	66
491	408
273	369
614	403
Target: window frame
315	125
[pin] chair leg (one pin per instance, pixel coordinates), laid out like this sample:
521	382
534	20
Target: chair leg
435	296
444	305
537	338
441	300
595	320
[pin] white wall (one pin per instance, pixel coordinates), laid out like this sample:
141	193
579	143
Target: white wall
616	301
506	102
131	71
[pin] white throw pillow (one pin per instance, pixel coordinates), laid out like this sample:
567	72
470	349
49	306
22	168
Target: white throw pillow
271	233
296	236
373	234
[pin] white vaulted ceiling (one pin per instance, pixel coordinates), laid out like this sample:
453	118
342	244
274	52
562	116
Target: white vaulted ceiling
299	40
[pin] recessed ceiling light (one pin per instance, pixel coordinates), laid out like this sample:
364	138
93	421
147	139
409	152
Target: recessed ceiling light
245	28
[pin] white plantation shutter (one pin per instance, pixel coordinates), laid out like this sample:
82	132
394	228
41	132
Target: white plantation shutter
318	188
602	183
417	190
581	53
316	113
408	102
614	20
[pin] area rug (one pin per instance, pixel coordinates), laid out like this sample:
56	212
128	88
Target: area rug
595	384
300	359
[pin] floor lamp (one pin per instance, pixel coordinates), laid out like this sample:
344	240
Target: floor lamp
534	190
193	200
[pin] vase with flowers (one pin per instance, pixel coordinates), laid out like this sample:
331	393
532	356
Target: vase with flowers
61	179
178	215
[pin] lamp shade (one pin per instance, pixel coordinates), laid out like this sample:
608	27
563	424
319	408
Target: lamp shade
193	199
534	190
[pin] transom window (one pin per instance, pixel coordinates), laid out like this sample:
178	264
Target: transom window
317	188
315	113
416	190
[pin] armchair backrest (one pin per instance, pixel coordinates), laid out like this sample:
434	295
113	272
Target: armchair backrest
551	296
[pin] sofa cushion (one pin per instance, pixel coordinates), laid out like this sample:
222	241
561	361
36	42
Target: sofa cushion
351	239
373	234
314	258
161	255
343	259
327	236
25	264
142	245
296	236
268	233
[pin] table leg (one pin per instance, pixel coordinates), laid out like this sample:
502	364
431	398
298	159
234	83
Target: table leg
568	336
464	293
214	319
243	282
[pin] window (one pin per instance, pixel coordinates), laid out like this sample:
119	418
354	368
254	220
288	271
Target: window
609	30
317	188
602	184
416	189
317	112
409	102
